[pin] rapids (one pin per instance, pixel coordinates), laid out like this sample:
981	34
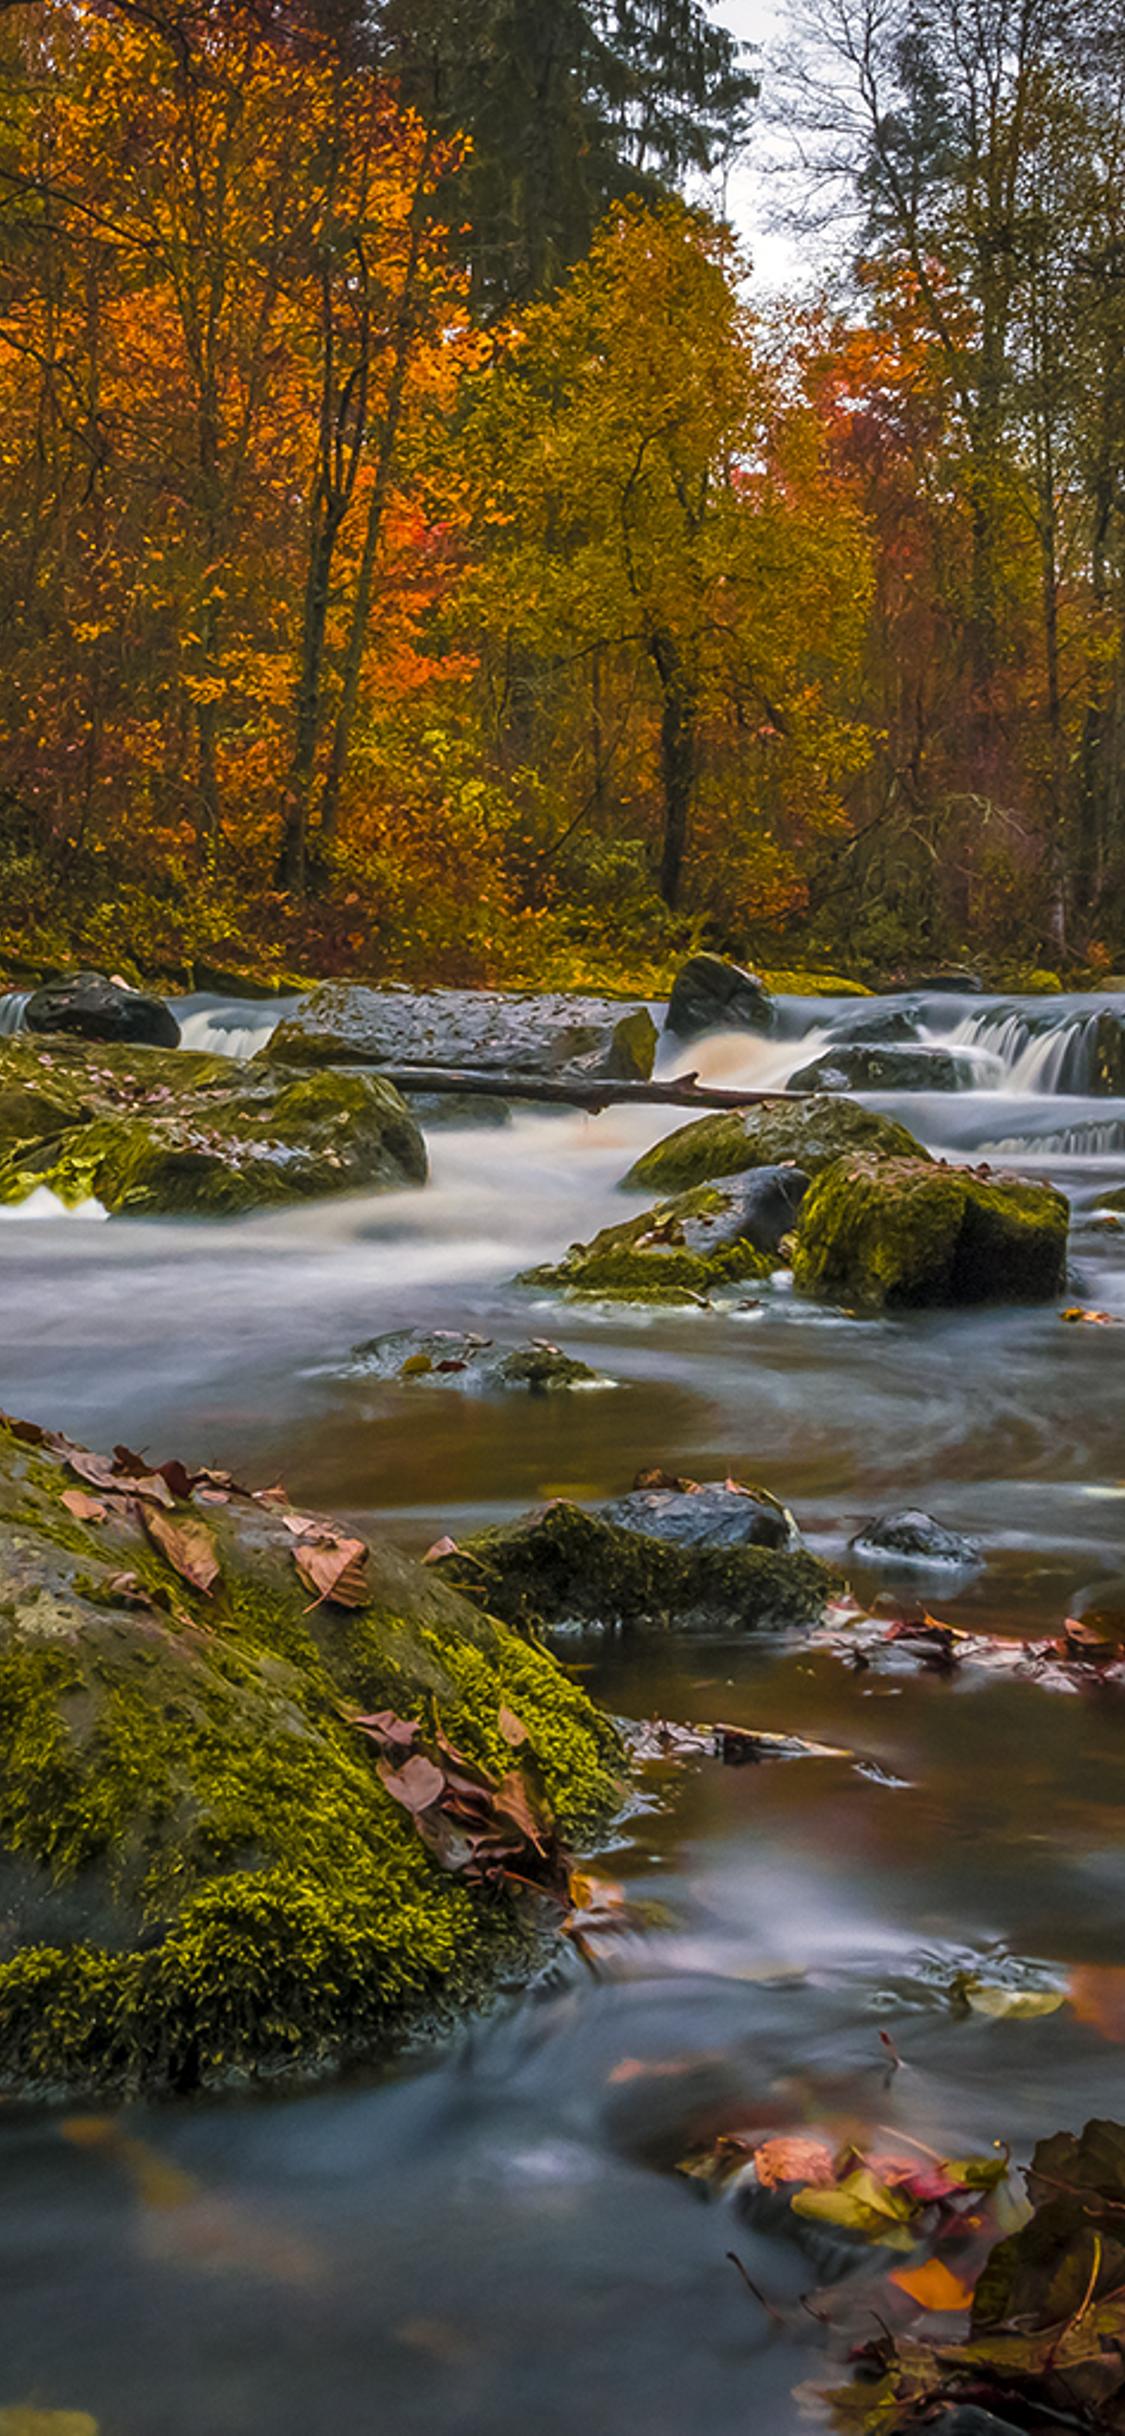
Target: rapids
490	2240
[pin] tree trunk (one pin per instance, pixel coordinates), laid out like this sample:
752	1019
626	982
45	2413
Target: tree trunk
678	757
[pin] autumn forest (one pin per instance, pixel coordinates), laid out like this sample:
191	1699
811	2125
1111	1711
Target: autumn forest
428	547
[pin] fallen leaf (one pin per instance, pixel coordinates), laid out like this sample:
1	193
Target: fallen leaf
860	2204
1002	2004
417	1785
933	2285
84	1508
1095	1319
510	1726
807	2161
390	1732
1097	1995
187	1545
21	2421
440	1548
333	1569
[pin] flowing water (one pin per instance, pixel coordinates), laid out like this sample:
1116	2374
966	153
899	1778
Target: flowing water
491	2238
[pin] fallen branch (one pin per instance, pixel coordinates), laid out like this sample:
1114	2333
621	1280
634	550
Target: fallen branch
574	1091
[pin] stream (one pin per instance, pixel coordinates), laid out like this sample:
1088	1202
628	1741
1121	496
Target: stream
491	2238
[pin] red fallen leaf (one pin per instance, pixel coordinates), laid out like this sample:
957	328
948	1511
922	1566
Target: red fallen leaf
417	1785
333	1569
179	1479
187	1545
99	1473
1097	1994
449	1364
213	1497
124	1460
514	1799
390	1732
29	1433
83	1508
441	1547
807	2161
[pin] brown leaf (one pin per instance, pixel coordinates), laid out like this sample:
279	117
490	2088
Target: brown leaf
933	2285
334	1569
417	1785
441	1547
187	1545
513	1731
390	1732
84	1508
805	2161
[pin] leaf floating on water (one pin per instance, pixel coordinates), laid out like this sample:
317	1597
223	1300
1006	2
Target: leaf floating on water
797	2160
84	1508
861	2204
1097	1996
187	1545
1010	2004
933	2286
1093	1319
333	1568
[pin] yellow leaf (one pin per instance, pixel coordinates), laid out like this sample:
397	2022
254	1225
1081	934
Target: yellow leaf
933	2285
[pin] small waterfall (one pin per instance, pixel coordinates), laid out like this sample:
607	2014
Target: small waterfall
234	1027
1091	1139
12	1005
1040	1053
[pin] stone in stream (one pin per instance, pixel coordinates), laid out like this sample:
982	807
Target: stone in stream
710	995
562	1566
148	1133
860	1065
913	1538
449	1357
871	1022
712	1514
905	1232
479	1031
1105	1053
681	1251
807	1134
93	1008
202	1874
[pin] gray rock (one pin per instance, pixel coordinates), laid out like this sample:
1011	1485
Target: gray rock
864	1066
451	1108
710	995
482	1031
90	1007
715	1515
869	1022
449	1357
914	1538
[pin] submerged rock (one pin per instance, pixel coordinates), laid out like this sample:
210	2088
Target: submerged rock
808	1134
482	1031
710	995
914	1538
905	1232
563	1566
712	1514
448	1357
682	1251
202	1874
872	1022
93	1008
148	1134
861	1065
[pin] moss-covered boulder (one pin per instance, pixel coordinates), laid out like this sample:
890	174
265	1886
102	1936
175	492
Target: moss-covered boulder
146	1132
906	1232
1114	1200
482	1031
562	1566
202	1872
682	1251
808	1132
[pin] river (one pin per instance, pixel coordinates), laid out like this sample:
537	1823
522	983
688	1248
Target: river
492	2239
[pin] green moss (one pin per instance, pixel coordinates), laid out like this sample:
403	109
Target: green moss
211	1877
1114	1200
903	1232
810	1133
563	1566
679	1252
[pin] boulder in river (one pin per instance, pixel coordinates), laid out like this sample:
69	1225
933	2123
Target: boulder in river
206	1871
480	1031
681	1251
562	1566
807	1133
710	995
861	1065
450	1357
147	1134
711	1514
913	1538
91	1007
905	1232
871	1022
1105	1051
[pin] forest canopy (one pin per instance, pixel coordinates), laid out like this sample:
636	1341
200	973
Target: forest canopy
428	548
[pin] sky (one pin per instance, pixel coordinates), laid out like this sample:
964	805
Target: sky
748	193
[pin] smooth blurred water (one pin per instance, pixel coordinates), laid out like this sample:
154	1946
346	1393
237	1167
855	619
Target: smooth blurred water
492	2238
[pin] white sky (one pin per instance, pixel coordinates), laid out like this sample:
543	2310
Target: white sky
748	197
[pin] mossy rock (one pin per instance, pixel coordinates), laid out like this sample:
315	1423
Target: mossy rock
809	1132
453	1358
563	1566
1114	1200
201	1874
680	1252
907	1232
479	1031
147	1132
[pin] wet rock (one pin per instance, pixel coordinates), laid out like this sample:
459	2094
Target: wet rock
866	1066
955	978
1105	1050
905	1232
480	1031
454	1108
149	1134
710	995
872	1022
681	1251
447	1357
93	1008
202	1875
1114	1200
808	1134
716	1514
913	1538
562	1566
967	2419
